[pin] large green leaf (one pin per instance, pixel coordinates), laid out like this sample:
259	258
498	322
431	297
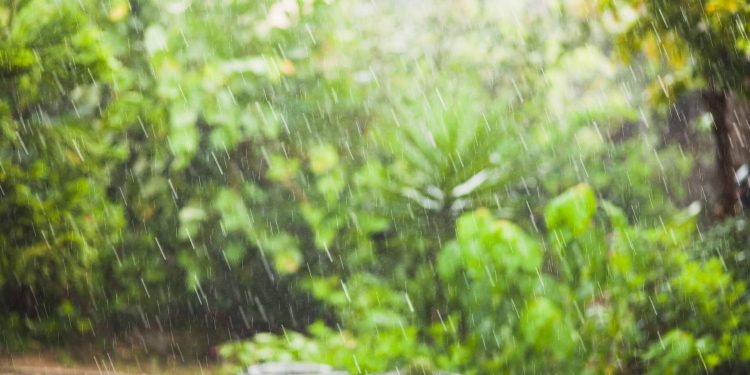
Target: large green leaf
482	242
570	214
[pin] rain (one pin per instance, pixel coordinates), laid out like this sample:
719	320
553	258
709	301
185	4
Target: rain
382	187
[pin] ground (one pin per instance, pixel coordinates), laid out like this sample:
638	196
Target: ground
84	362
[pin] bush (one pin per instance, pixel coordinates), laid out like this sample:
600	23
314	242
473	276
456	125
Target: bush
596	295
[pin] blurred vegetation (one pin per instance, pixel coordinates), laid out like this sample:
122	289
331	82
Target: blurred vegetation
464	186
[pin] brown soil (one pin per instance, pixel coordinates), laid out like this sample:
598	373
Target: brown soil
62	362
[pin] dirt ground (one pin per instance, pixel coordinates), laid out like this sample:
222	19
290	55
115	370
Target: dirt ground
63	363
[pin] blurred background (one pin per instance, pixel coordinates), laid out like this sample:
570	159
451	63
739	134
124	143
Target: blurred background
470	186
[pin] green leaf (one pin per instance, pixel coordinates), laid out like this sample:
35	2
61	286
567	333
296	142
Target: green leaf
190	219
189	214
234	214
571	212
331	185
155	39
616	215
233	254
183	134
673	353
287	261
323	158
282	169
485	242
545	329
514	248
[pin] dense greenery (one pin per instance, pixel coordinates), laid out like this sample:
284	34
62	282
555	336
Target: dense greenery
374	185
702	46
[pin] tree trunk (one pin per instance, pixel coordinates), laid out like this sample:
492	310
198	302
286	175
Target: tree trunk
716	102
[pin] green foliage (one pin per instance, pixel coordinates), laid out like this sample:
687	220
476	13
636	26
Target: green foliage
657	310
60	224
361	354
702	43
346	196
570	214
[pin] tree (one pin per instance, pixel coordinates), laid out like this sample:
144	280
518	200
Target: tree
704	44
57	219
